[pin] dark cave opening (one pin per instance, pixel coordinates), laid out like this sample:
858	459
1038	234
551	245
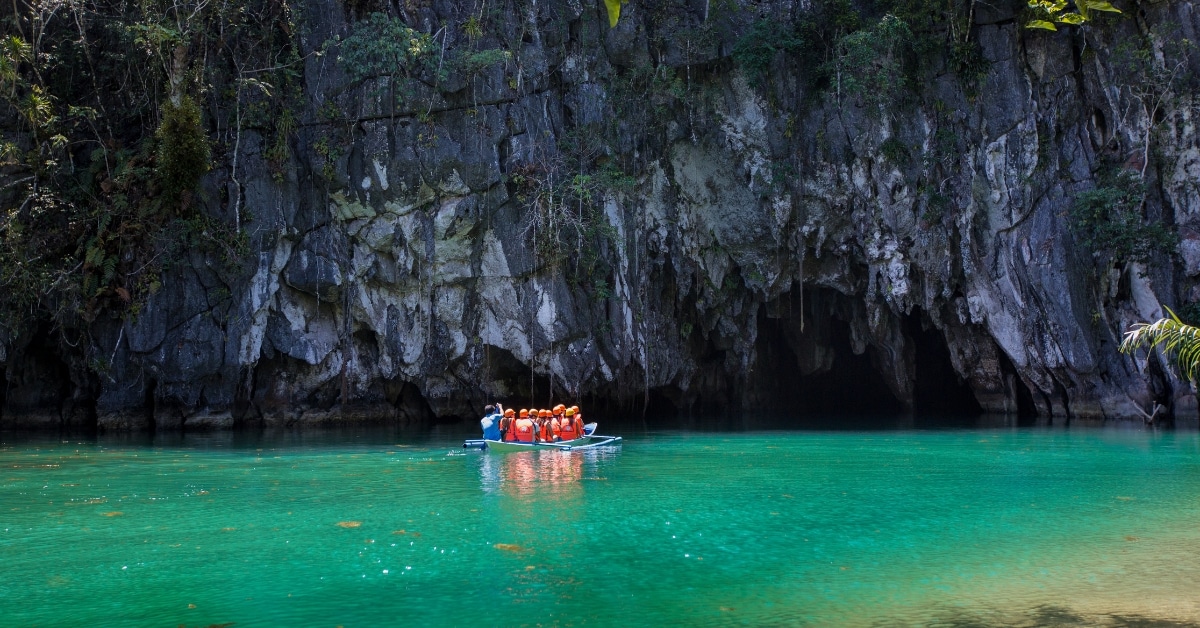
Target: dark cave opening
852	386
938	390
663	401
772	385
511	382
660	407
411	406
38	381
149	403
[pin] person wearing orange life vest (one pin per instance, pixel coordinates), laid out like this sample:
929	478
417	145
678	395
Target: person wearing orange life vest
545	431
510	434
545	434
506	423
524	429
578	420
535	416
556	425
568	427
559	419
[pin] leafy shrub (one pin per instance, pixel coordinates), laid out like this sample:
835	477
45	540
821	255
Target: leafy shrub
183	152
869	63
1108	220
894	151
757	49
384	46
469	63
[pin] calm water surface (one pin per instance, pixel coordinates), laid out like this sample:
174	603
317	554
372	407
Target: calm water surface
972	527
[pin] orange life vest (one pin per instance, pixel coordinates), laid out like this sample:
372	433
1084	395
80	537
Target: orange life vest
568	429
524	430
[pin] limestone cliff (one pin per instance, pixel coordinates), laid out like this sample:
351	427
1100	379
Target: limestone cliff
639	218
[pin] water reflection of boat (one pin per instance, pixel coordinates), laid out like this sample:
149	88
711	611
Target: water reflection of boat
551	472
588	441
543	471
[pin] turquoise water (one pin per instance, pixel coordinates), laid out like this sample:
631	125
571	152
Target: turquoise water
971	527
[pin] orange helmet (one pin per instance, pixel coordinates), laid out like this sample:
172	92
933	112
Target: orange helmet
559	409
576	409
545	414
524	413
571	411
508	412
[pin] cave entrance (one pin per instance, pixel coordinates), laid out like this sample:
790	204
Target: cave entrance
938	389
150	403
852	386
3	392
660	408
511	382
38	389
411	406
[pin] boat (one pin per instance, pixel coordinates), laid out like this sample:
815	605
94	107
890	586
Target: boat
587	441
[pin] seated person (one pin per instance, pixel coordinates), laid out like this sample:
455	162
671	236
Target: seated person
491	422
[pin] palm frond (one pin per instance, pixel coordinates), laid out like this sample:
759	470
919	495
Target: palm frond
1173	337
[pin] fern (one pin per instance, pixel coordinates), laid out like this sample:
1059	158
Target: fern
1171	336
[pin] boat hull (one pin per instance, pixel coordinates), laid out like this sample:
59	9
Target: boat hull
506	446
495	445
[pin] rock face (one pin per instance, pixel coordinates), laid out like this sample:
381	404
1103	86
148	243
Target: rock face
725	241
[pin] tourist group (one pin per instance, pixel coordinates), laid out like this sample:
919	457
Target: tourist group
532	426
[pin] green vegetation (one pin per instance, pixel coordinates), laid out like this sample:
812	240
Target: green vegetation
1051	12
1108	220
877	54
115	106
183	151
279	152
643	97
383	46
564	188
468	63
1150	70
894	150
757	49
1177	340
869	63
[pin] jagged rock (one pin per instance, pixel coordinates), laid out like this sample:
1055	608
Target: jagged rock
774	250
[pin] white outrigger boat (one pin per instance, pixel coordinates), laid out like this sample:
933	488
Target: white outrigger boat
587	441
